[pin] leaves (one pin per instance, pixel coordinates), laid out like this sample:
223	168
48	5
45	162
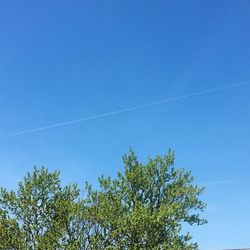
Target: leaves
142	208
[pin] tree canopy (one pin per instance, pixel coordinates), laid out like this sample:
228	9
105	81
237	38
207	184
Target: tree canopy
143	207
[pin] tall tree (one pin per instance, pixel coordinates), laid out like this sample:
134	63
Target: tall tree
142	208
146	206
37	216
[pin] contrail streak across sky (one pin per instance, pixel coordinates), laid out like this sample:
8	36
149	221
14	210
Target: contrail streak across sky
172	99
220	182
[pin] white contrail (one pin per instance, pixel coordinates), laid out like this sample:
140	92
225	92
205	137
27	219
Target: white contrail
220	182
132	108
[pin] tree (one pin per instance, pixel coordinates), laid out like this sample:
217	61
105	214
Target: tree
39	214
145	207
142	208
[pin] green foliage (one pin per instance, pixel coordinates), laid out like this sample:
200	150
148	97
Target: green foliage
36	217
145	207
142	208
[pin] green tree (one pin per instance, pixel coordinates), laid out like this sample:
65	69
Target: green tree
146	206
40	214
142	208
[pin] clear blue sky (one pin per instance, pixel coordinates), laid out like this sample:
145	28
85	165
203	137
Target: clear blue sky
65	60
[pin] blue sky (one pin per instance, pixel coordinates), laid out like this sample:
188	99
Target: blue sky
65	60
